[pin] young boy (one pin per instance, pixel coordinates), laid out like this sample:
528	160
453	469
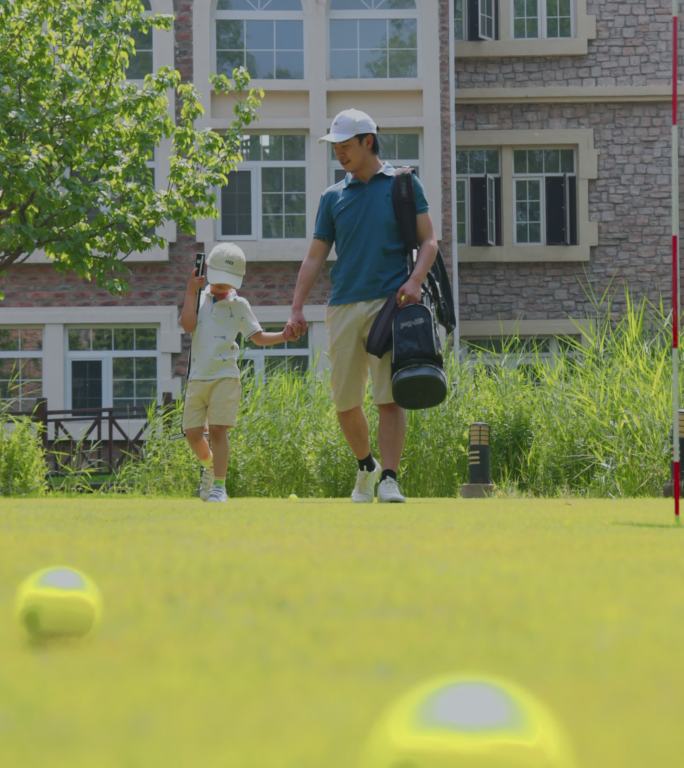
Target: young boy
213	392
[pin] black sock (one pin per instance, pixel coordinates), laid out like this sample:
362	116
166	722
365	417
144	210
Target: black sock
367	464
388	473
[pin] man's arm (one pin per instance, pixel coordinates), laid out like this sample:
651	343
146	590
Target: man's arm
411	289
308	272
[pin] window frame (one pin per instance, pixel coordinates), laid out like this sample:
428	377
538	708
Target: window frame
254	168
106	357
258	355
22	354
492	182
581	140
378	14
259	15
542	22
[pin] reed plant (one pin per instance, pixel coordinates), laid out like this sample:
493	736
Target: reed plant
593	419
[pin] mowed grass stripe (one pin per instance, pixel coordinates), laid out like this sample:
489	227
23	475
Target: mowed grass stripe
269	632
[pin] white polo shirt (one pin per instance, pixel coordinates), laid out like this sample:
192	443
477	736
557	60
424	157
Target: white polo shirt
214	351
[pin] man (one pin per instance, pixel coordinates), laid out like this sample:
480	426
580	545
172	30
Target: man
356	215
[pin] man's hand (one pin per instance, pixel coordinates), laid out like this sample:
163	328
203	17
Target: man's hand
296	326
409	293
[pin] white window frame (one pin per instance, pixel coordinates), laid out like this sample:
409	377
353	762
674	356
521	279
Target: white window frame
261	14
29	354
542	22
253	167
259	355
486	18
465	179
378	13
397	162
148	12
106	356
541	178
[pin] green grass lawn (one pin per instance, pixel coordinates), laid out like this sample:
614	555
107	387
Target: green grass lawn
271	634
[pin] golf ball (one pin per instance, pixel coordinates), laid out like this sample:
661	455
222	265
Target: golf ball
58	602
293	497
472	721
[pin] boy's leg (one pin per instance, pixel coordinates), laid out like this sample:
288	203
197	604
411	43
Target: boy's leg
198	443
218	435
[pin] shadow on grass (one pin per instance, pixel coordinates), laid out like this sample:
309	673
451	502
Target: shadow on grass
669	526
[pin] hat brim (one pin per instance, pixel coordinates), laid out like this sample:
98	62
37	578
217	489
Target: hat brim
335	138
220	277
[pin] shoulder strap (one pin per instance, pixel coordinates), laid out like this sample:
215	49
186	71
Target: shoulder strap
404	202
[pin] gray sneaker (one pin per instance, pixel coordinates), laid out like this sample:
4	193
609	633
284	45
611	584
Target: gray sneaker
388	491
364	490
217	493
206	483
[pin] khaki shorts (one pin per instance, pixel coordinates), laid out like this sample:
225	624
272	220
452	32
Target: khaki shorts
348	326
213	402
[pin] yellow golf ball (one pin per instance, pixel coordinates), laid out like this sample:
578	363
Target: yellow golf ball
293	497
472	721
58	602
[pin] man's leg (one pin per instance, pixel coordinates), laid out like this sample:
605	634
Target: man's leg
391	434
355	430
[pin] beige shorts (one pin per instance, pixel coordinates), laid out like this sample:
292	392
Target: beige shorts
213	402
348	326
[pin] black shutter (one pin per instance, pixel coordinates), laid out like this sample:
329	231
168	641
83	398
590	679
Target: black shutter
561	210
555	211
497	192
473	20
478	210
572	204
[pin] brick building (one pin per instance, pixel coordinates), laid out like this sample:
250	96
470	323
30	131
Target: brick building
561	174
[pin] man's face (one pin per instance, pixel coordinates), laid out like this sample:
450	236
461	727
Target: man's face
353	154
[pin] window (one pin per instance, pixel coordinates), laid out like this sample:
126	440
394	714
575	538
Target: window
21	367
264	36
142	63
525	353
263	361
478	197
545	196
373	39
112	367
397	149
542	18
266	198
476	19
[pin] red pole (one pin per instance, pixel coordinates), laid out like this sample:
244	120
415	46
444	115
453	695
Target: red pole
675	262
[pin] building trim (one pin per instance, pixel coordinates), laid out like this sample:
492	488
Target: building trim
565	95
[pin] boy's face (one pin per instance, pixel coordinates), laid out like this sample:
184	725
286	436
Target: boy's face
220	288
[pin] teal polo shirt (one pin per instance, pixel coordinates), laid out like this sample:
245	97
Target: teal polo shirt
358	218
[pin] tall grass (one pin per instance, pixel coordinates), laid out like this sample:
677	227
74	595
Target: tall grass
23	468
592	421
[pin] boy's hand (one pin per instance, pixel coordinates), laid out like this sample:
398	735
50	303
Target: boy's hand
196	283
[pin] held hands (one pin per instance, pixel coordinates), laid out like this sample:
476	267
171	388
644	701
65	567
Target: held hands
296	326
409	293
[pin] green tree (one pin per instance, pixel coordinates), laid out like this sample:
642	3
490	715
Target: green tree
76	137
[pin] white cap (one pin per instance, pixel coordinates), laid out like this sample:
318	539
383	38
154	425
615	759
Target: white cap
226	265
349	123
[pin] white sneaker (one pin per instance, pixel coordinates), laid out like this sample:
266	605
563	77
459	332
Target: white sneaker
206	483
364	490
388	491
217	493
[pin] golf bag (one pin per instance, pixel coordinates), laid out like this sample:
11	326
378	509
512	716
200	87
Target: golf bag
418	378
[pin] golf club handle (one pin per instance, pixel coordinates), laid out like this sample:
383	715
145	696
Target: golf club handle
200	259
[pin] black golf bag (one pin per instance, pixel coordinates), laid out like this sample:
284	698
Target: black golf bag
418	378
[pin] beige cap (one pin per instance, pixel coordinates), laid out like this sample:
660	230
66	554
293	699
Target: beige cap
226	264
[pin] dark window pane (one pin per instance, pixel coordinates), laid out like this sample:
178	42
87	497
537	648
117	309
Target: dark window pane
79	338
145	367
124	338
86	384
289	65
343	64
145	338
227	61
230	35
122	367
102	338
289	36
260	35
